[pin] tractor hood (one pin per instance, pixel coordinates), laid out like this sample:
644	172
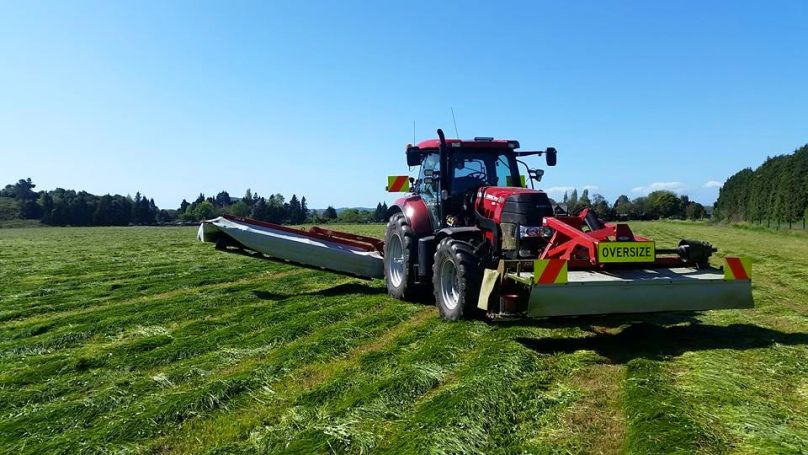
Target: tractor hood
506	204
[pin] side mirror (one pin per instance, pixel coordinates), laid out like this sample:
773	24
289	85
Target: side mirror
550	156
414	156
536	174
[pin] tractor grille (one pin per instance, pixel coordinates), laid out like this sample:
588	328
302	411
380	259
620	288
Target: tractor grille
527	209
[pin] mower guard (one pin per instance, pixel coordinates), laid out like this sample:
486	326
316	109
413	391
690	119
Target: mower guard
320	248
638	291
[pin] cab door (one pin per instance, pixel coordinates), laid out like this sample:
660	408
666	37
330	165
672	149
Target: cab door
429	187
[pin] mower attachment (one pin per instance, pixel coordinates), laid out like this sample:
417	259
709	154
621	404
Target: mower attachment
339	252
589	292
639	291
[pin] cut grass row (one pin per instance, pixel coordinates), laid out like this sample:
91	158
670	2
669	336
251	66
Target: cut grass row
140	339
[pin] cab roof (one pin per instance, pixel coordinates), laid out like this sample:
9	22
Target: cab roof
477	142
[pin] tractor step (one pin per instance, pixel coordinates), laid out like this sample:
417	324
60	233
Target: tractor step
636	291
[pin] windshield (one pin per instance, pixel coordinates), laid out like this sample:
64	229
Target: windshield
474	169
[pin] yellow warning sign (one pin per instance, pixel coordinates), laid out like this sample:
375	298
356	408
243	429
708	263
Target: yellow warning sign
626	252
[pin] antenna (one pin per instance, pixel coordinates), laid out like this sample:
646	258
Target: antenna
413	132
457	135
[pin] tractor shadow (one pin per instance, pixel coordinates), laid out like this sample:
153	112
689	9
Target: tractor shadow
657	341
334	291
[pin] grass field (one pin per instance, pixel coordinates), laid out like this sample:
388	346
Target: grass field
142	340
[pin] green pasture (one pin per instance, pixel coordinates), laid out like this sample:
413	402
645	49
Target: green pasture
142	340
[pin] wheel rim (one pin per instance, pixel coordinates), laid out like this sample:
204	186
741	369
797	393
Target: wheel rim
396	263
448	284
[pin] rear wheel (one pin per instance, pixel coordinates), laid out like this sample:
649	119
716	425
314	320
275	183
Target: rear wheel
456	278
400	253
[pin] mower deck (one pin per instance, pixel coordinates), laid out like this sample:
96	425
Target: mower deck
636	291
321	248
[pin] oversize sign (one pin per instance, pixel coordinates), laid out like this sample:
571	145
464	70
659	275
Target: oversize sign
626	252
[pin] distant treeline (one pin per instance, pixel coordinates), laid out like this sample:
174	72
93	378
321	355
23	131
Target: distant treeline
658	204
775	191
273	209
62	207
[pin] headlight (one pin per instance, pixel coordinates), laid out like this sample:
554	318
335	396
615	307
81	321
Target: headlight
529	231
534	231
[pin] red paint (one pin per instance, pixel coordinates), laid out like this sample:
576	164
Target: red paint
570	243
417	214
338	236
497	144
491	200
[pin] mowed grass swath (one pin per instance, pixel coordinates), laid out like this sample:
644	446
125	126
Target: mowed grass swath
143	340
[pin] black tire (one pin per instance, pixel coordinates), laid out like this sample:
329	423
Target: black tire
456	258
400	278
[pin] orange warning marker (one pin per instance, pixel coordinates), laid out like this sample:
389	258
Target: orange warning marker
737	269
550	271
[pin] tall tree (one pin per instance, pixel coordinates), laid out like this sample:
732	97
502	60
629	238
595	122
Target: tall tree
573	201
378	214
222	199
294	210
205	211
304	209
46	202
275	208
102	216
260	211
664	204
239	209
601	207
330	213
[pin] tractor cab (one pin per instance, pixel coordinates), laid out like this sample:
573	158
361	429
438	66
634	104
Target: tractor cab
453	170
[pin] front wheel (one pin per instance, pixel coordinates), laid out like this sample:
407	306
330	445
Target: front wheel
456	279
400	254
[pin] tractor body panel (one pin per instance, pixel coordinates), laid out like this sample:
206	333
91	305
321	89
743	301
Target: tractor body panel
415	210
513	205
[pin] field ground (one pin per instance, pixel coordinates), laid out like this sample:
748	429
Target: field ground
142	340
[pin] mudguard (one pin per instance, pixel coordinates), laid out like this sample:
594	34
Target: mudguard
416	213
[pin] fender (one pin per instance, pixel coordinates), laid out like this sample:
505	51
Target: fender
427	245
460	233
416	213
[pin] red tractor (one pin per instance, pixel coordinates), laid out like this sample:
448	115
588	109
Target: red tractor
475	237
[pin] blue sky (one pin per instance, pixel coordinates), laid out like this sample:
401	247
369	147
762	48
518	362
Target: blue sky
319	98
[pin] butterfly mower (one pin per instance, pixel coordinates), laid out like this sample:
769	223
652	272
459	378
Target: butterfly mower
470	233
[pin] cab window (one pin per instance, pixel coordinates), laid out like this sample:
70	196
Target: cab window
430	163
474	169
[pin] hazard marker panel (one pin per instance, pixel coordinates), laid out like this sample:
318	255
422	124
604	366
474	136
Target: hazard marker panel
737	269
398	184
550	271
